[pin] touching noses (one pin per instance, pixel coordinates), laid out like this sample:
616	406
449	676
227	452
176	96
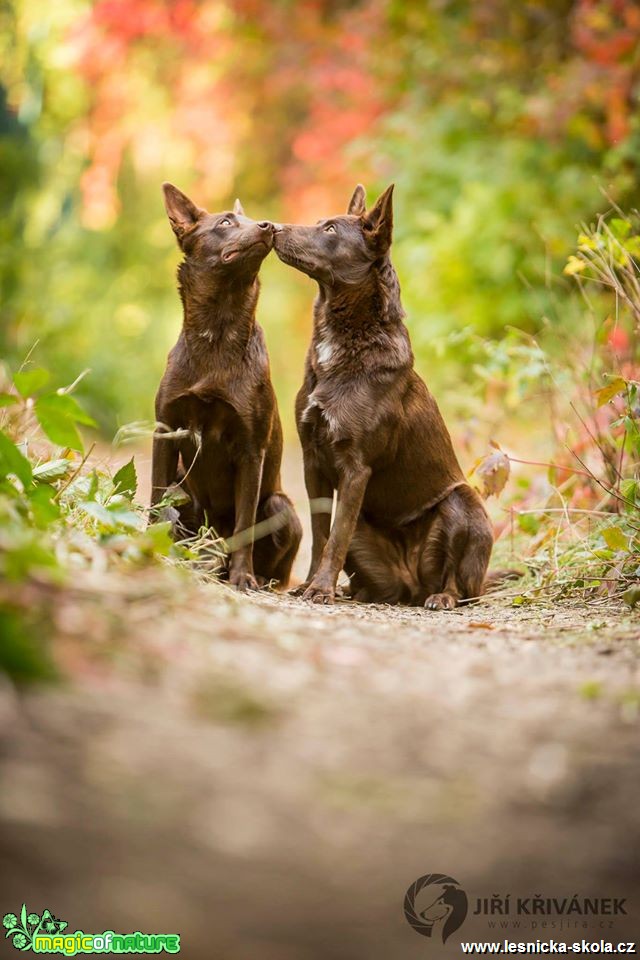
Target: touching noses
276	227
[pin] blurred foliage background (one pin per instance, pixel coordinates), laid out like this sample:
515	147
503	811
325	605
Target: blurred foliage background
503	126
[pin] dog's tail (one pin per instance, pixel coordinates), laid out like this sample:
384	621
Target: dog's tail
496	578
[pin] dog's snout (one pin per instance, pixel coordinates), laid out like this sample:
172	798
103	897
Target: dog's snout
265	225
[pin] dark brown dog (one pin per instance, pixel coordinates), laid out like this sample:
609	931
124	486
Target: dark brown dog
407	528
217	392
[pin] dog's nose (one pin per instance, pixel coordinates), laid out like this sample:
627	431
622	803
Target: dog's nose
265	225
277	227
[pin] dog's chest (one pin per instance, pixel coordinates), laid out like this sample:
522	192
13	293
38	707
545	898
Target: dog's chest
327	350
211	421
337	411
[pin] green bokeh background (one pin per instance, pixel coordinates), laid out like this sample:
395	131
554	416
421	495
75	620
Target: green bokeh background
499	124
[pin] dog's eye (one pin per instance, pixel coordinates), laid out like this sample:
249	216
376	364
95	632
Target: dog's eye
330	228
225	223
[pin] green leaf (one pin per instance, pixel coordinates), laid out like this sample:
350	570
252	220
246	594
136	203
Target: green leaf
125	480
620	228
60	430
68	406
12	461
128	519
529	523
615	538
8	399
175	496
43	506
58	414
28	382
94	485
159	538
631	596
615	386
51	470
100	513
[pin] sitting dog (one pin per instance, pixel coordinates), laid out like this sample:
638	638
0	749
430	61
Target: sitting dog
407	527
216	395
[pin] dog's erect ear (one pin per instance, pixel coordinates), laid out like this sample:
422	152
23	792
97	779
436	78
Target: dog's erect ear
182	212
378	222
358	202
237	208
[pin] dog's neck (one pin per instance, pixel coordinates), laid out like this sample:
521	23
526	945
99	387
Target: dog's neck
372	301
218	313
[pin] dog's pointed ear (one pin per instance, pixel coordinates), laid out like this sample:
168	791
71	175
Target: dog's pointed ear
182	212
358	202
378	222
238	209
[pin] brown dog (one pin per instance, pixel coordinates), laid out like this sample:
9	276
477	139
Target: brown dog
407	528
216	394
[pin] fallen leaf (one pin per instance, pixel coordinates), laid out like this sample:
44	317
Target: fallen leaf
493	473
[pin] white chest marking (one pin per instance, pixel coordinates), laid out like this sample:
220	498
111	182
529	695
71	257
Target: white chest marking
324	351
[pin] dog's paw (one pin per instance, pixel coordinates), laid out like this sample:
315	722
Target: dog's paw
243	581
316	593
298	591
440	601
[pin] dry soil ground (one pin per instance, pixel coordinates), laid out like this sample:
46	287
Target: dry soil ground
267	778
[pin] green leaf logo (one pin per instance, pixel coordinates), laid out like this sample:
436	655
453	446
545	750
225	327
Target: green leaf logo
22	930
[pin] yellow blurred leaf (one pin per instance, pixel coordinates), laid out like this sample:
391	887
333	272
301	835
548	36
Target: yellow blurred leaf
614	387
574	265
615	538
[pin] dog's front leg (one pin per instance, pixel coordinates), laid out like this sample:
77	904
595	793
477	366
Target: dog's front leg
247	493
320	494
164	473
351	490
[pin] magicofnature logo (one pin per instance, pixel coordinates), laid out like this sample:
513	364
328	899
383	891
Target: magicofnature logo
435	903
23	929
44	933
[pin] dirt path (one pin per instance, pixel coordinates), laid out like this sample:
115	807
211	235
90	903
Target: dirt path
268	778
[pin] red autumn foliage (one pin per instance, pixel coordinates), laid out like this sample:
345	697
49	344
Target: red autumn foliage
304	82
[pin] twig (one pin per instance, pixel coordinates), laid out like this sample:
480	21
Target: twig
597	513
593	477
596	440
75	472
555	466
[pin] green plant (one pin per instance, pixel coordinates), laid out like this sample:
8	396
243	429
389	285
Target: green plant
59	515
584	539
